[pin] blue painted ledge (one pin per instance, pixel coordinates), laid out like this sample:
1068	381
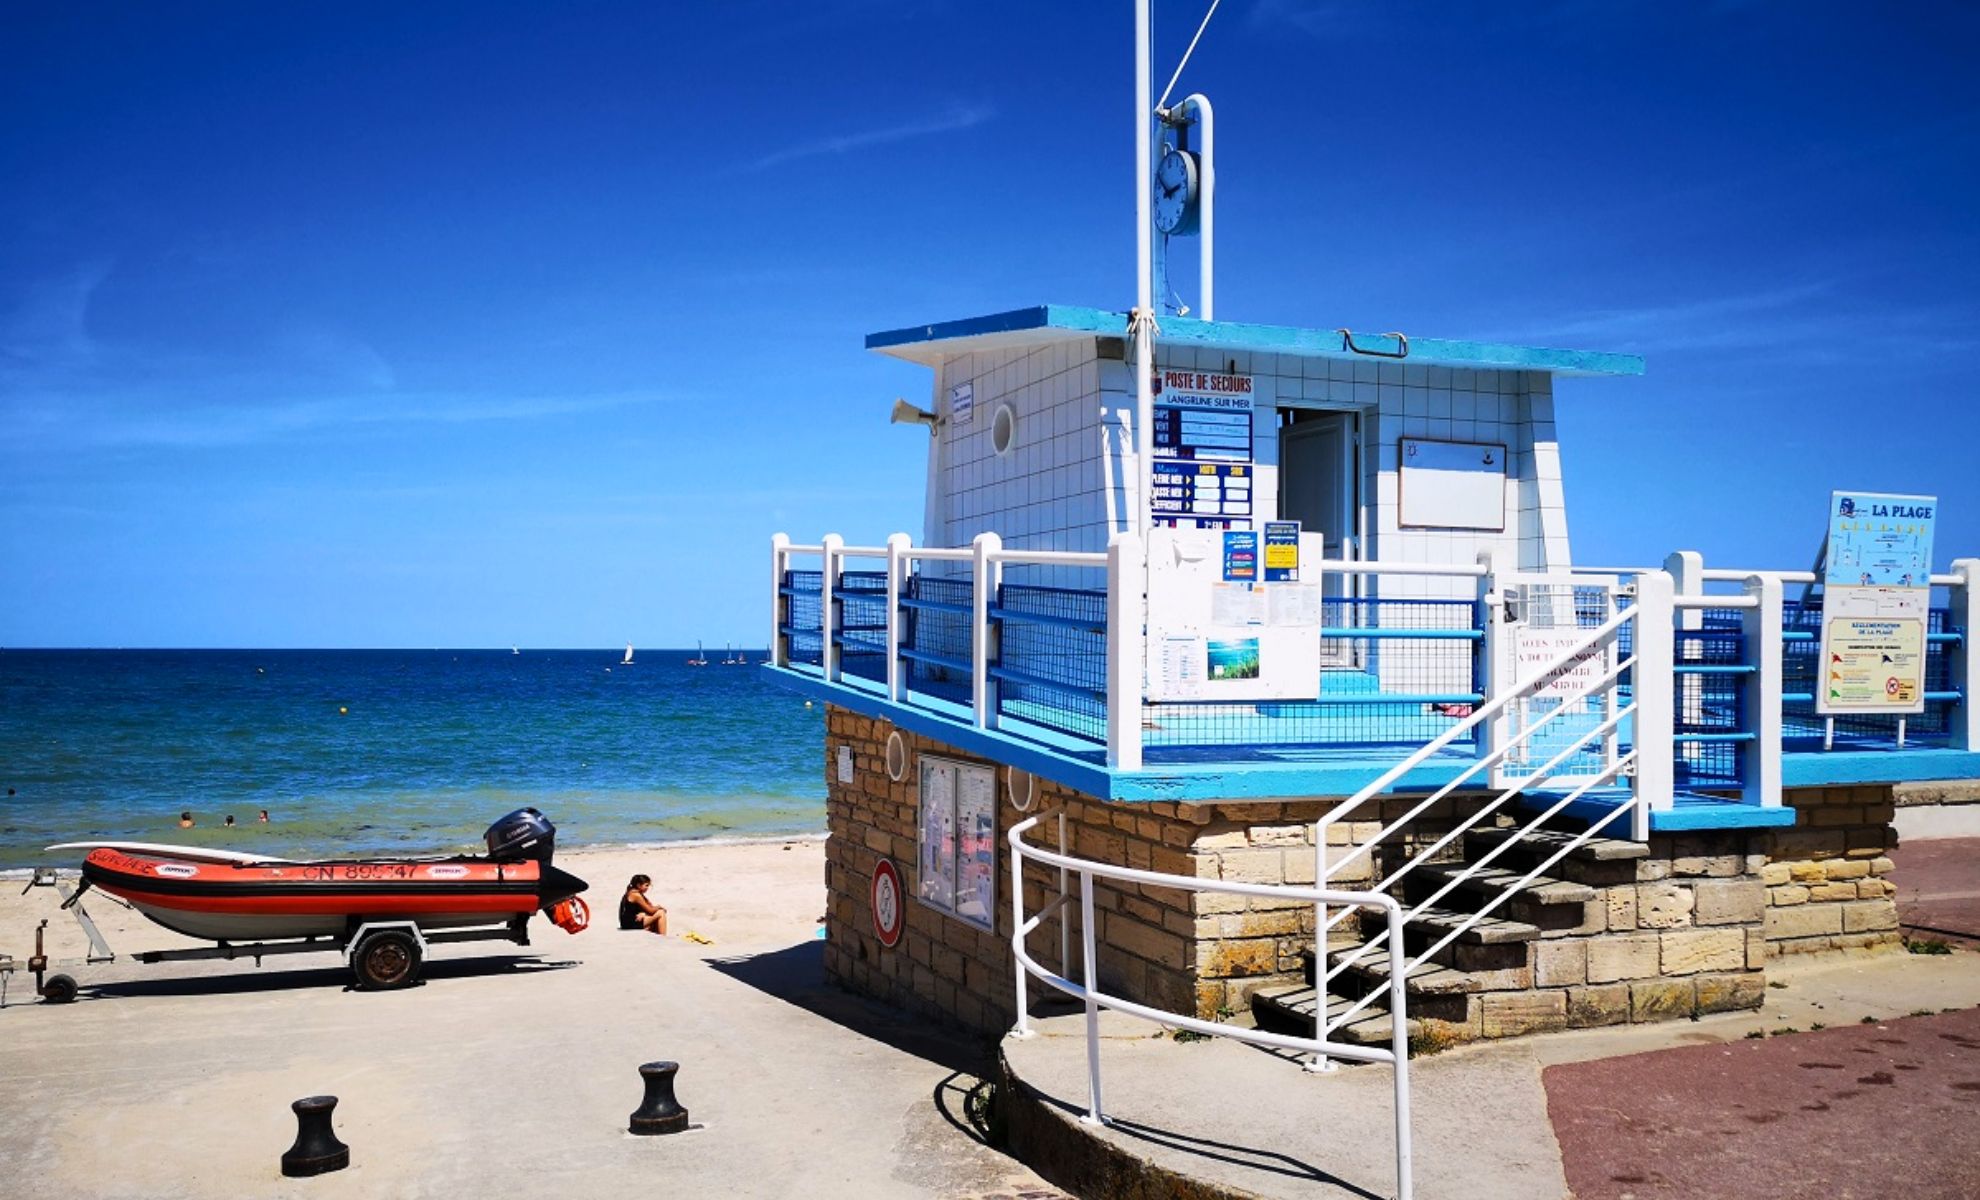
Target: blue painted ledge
1211	774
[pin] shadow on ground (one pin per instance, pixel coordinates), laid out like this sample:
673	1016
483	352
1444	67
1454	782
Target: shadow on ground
796	975
248	979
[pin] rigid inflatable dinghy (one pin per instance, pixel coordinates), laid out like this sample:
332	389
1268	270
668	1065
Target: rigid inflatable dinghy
233	899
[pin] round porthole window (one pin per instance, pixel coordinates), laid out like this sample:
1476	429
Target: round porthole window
897	756
1003	429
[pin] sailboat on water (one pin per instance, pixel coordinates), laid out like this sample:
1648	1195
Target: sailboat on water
627	660
700	659
731	658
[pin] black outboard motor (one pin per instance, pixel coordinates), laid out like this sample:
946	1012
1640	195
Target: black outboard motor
523	835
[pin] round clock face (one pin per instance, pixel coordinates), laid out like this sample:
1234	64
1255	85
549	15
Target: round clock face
1175	192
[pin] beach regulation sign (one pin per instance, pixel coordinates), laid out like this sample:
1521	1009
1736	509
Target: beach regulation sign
1876	600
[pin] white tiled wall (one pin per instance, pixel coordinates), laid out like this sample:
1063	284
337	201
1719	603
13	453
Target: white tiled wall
1052	491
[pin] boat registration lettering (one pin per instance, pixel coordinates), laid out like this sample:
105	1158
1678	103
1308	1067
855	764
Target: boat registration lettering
358	872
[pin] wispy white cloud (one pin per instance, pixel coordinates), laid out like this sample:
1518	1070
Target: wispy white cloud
63	387
1810	323
949	120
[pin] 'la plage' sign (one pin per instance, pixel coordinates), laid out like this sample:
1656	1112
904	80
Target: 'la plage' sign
1876	600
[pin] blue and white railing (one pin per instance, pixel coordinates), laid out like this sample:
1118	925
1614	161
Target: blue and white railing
1050	646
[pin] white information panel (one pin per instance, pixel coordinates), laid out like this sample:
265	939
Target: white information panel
1451	485
1209	639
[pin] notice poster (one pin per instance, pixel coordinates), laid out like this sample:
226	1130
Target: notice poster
1291	605
1240	556
976	825
1237	604
1281	551
962	403
1182	665
937	877
1573	679
1876	599
1236	658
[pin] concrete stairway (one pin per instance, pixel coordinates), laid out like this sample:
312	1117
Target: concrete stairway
1467	988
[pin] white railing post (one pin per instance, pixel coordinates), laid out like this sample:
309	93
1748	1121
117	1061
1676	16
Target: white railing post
780	649
982	639
1762	626
1322	875
1125	652
1017	931
1090	978
897	546
828	603
1496	656
1687	572
1655	699
1964	668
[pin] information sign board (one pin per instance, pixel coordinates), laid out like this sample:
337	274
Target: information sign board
1876	600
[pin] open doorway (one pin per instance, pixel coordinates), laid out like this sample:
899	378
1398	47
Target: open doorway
1317	488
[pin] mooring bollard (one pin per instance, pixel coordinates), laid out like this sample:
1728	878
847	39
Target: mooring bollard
659	1112
317	1150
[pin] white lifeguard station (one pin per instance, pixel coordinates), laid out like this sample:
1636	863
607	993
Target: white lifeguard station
1246	668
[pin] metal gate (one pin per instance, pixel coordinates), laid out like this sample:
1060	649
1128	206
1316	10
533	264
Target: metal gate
1544	616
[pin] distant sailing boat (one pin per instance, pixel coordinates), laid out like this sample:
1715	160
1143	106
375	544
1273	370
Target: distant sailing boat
627	660
515	650
732	659
699	659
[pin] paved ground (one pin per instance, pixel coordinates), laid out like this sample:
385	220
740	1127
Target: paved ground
1884	1109
1938	883
1485	1116
510	1073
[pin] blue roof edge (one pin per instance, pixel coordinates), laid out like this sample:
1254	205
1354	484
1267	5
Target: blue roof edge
1282	339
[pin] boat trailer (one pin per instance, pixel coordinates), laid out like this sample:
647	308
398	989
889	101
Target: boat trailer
382	954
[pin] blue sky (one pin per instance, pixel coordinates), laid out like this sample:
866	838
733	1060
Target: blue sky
455	325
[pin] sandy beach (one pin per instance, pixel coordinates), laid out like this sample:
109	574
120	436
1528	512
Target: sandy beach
509	1071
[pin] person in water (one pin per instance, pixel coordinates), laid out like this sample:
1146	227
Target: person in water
636	911
185	820
229	822
264	816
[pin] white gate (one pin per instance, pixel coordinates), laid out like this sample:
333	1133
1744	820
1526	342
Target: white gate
1544	615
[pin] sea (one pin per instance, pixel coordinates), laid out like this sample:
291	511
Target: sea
396	751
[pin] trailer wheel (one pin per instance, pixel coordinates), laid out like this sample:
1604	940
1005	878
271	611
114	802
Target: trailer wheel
60	989
385	960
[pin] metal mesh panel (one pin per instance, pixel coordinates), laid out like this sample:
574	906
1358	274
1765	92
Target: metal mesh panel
862	632
804	616
1801	663
1056	663
940	632
1375	690
1712	671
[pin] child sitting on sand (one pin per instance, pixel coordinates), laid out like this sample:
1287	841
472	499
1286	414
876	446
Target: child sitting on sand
637	912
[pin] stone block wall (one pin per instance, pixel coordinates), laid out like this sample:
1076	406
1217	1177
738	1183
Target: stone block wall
1825	877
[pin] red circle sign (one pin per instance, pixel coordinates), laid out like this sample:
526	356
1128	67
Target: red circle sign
889	903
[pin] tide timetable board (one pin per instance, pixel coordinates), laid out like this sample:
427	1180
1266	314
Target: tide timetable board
1203	490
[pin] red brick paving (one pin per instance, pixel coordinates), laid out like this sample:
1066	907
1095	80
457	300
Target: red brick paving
1845	1114
1938	889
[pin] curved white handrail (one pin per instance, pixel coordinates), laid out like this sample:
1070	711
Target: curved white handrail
1095	999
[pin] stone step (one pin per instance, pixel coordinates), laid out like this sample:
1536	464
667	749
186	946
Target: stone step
1547	841
1289	1010
1487	883
1433	923
1425	978
1598	862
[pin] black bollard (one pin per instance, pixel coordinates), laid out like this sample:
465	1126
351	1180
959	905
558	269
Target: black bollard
659	1112
317	1150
